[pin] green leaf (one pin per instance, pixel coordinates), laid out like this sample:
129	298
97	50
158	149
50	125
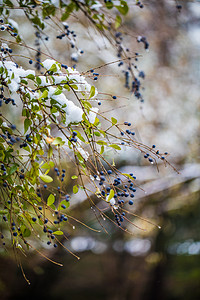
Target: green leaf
30	76
74	177
101	143
13	169
102	132
66	203
58	142
102	150
46	178
27	123
50	152
75	189
74	86
68	11
26	232
96	122
48	165
36	20
58	91
58	232
80	136
97	133
18	39
123	8
48	10
109	4
50	200
115	146
44	95
111	195
92	92
114	121
53	68
53	110
87	105
39	80
118	22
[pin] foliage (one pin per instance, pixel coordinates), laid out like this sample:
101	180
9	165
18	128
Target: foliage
34	199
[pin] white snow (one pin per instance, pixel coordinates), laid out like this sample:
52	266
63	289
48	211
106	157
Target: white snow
74	56
83	85
48	63
73	112
92	114
44	81
112	201
59	79
16	73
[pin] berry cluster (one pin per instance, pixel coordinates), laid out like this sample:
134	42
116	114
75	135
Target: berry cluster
130	68
7	27
143	39
6	50
139	3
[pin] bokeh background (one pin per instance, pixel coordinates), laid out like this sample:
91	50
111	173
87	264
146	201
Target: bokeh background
151	263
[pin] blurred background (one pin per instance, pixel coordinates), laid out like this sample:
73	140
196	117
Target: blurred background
152	262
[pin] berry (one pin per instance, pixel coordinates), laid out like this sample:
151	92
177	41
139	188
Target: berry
5	218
